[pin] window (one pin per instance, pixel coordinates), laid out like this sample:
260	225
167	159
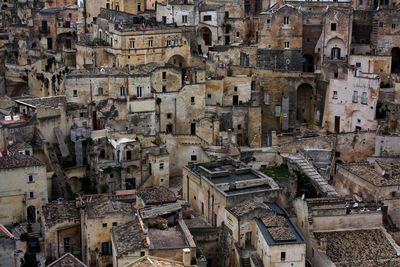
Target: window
237	34
277	111
334	95
393	26
202	208
74	93
235	88
161	167
164	88
193	158
192	100
138	7
364	98
283	256
333	27
335	75
30	178
128	155
132	44
207	18
208	95
380	24
27	152
285	20
287	45
164	19
106	248
355	97
67	244
358	65
169	115
239	126
150	43
114	224
100	91
335	53
184	19
268	21
164	75
253	85
139	91
122	91
104	225
31	195
142	253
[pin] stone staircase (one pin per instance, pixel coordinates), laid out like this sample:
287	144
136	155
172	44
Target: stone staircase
61	142
245	262
308	169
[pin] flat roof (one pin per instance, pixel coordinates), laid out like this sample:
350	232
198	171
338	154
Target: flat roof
233	177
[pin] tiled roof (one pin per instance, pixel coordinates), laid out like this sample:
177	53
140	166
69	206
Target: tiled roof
151	261
67	260
156	195
14	148
358	246
366	172
129	237
19	161
59	212
100	207
49	101
248	206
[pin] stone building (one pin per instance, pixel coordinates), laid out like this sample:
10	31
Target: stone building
280	39
61	227
123	34
376	181
351	103
99	214
266	230
24	188
338	231
211	187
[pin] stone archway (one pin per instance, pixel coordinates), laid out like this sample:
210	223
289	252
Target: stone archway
206	35
177	60
305	103
31	214
395	60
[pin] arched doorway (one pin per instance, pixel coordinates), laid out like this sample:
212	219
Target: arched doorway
305	103
177	60
206	35
395	60
31	214
308	63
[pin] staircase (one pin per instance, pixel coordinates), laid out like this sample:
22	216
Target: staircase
245	262
308	169
61	142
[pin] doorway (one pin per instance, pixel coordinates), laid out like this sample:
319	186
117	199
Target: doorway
337	124
193	128
31	214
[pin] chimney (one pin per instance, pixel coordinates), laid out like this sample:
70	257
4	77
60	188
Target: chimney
186	257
